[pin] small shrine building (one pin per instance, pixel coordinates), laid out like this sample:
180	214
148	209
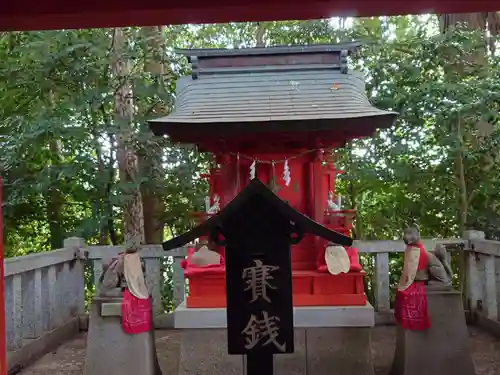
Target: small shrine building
273	114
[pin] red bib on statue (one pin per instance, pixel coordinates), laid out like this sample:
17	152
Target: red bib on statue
136	314
410	308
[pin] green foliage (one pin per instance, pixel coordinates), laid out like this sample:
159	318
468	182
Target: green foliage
58	139
409	173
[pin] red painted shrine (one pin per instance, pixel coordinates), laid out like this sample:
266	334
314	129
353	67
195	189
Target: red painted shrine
274	114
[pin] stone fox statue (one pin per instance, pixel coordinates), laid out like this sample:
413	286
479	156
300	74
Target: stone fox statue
420	268
112	281
112	284
410	305
438	270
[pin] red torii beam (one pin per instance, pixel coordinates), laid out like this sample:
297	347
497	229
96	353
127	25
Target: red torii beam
3	333
61	14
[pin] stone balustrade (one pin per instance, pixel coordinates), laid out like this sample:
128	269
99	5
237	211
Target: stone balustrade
46	291
43	291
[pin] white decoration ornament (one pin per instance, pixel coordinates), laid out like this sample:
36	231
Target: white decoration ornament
204	257
215	208
331	204
207	203
132	270
295	85
337	260
252	171
286	174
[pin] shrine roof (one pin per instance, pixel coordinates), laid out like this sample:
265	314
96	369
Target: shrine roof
277	89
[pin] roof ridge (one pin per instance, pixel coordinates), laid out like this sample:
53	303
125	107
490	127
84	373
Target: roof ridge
271	69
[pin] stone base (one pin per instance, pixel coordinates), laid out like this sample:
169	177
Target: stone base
444	348
328	340
318	351
303	317
110	351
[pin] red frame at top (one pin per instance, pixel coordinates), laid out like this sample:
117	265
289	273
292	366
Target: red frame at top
61	14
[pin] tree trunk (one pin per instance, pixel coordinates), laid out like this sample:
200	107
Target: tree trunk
55	201
133	221
151	162
107	177
493	24
108	204
473	21
103	230
106	173
462	182
259	36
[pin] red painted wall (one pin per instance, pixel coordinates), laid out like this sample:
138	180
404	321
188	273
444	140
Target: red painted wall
307	191
3	344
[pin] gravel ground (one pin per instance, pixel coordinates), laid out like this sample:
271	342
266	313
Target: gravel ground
69	358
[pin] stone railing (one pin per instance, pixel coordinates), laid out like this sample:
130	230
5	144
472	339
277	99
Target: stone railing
45	291
44	296
380	250
480	278
477	259
483	279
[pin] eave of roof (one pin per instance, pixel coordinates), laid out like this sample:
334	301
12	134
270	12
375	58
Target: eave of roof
313	98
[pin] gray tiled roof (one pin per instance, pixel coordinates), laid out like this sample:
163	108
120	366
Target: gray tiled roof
272	94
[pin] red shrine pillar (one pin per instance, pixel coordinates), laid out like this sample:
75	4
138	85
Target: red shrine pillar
3	331
227	177
316	197
319	192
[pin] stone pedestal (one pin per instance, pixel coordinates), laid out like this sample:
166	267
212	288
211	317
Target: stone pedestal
328	341
441	350
110	351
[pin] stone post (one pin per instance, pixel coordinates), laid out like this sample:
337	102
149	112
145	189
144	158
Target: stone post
109	348
441	349
77	273
473	235
472	287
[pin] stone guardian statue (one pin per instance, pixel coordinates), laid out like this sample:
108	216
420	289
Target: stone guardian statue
432	336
